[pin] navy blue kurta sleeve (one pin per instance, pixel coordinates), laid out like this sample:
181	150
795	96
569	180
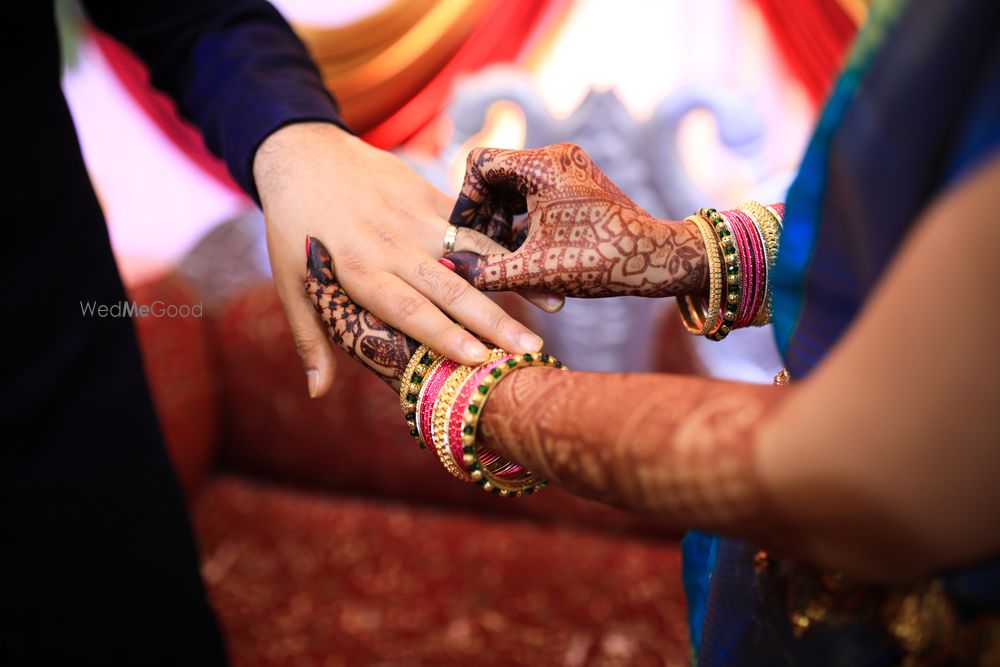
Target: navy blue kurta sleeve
234	67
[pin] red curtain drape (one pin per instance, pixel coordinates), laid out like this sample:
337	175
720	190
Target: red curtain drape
504	29
813	36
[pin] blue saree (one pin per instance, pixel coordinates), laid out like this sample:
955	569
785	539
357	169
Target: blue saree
915	110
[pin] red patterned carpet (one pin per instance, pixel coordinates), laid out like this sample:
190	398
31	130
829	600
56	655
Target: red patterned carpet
303	578
403	567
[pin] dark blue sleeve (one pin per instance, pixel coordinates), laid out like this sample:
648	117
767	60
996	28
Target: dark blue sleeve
234	67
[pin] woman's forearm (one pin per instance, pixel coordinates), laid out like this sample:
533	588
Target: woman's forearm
679	448
883	463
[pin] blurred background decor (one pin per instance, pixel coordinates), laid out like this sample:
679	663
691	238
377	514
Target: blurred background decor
327	538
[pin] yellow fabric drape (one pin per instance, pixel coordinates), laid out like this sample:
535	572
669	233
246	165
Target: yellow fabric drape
856	9
376	64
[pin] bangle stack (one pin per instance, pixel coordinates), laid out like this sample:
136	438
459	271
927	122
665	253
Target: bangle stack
442	402
741	247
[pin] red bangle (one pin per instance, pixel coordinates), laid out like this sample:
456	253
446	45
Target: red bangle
754	264
428	394
458	410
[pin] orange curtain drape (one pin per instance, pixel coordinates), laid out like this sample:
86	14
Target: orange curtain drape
392	71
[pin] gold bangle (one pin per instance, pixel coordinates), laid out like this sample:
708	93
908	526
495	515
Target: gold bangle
409	386
418	406
486	478
733	274
693	313
763	315
777	216
439	420
769	224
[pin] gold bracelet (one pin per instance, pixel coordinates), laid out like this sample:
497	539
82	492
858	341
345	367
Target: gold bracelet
692	309
409	386
763	315
438	437
733	283
769	224
777	216
486	478
424	384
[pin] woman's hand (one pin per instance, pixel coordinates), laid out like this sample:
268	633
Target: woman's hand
384	226
583	237
383	349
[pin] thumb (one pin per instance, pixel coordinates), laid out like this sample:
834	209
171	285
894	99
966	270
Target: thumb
312	345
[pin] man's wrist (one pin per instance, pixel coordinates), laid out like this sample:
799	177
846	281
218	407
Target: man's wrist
295	146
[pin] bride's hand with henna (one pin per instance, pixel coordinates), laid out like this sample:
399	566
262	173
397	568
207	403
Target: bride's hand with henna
378	346
583	237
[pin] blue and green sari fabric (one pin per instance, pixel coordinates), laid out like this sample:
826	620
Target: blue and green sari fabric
916	109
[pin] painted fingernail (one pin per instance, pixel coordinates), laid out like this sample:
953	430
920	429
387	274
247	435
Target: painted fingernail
447	263
553	303
463	262
475	350
318	261
312	378
529	342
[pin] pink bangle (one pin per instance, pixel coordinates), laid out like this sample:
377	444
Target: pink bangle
755	266
458	411
428	394
763	272
746	265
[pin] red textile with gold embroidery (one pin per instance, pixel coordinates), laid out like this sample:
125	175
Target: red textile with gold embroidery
394	569
302	578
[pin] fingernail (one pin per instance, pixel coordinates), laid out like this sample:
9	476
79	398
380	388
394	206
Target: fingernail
447	263
553	303
312	378
475	350
462	262
529	342
318	261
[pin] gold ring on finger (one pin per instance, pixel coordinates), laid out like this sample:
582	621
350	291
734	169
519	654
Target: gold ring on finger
449	239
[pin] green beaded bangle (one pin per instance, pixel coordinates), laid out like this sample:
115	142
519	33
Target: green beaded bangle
481	475
409	387
733	283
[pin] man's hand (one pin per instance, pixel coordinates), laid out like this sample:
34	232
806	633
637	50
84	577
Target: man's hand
383	226
380	348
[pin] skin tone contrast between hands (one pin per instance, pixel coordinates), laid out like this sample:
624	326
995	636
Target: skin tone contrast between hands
384	225
882	464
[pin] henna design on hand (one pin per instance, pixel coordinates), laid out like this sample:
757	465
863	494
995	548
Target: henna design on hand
682	449
584	238
381	348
